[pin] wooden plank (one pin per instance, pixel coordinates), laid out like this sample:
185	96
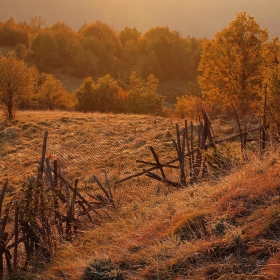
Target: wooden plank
16	227
203	140
199	135
86	211
71	213
101	187
4	220
48	173
198	160
55	173
44	149
158	178
154	164
83	200
110	189
178	139
240	130
192	153
207	126
182	169
157	161
188	149
2	195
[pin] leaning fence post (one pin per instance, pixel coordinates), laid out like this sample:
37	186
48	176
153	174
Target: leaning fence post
16	235
44	148
2	194
264	122
240	132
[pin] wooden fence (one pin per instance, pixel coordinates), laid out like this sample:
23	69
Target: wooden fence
190	149
44	213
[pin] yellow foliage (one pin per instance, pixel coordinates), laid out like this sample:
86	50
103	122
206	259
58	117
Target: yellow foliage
231	64
189	106
51	95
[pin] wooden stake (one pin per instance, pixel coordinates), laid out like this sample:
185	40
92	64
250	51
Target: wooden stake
16	235
41	164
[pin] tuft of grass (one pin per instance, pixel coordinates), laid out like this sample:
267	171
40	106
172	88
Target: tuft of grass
190	226
102	270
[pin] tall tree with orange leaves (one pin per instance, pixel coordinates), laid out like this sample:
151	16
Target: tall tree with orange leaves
231	64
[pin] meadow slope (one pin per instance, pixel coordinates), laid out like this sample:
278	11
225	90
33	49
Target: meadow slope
226	228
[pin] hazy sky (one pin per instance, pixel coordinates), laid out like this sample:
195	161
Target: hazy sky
199	18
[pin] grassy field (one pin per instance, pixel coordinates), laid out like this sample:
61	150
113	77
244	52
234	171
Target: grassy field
225	228
83	143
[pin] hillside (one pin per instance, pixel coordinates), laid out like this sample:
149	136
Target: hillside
223	228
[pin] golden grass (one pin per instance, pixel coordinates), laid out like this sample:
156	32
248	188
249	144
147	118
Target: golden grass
245	245
238	213
89	141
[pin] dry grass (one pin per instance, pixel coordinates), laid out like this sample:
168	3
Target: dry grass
231	226
240	239
97	140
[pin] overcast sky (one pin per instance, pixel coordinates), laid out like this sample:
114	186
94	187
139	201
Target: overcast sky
198	18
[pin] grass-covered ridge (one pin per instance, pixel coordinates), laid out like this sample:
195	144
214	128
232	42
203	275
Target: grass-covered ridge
228	228
225	230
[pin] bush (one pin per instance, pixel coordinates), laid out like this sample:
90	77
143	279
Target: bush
189	106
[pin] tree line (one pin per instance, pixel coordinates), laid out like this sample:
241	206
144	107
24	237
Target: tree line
121	71
96	49
126	65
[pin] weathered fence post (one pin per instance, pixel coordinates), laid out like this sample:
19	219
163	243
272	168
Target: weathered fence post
41	164
263	131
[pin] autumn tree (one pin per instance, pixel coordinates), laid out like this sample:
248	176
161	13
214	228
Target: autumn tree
167	55
66	40
37	22
103	96
231	64
143	95
12	34
129	34
85	95
51	94
271	81
106	94
189	106
129	38
21	51
17	82
85	62
100	39
45	49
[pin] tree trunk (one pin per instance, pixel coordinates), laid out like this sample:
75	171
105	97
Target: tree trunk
10	110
